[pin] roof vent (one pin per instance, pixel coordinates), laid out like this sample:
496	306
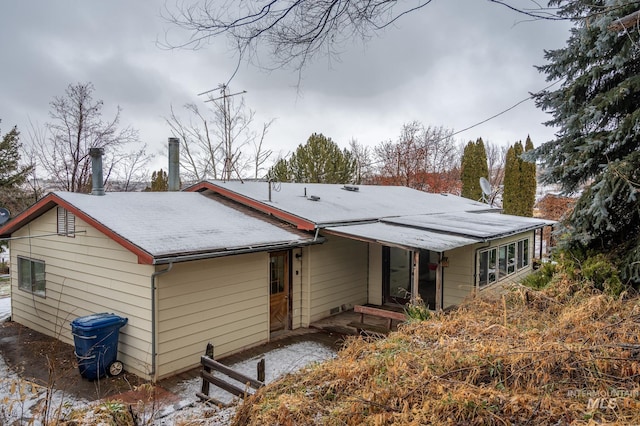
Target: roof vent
314	198
351	188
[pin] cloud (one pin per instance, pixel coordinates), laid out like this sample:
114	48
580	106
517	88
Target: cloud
452	63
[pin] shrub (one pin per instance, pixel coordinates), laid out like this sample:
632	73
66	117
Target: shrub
417	310
542	277
603	275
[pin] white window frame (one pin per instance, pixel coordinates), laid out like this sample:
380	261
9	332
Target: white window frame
510	258
36	281
491	270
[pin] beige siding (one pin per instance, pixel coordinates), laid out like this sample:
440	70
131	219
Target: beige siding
87	274
375	274
459	277
224	301
337	276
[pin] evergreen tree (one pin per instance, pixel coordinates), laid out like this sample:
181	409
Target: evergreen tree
597	112
473	167
528	181
320	160
512	195
519	193
13	176
280	172
159	181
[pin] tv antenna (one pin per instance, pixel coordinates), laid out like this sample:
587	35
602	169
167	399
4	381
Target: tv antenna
486	191
4	215
225	108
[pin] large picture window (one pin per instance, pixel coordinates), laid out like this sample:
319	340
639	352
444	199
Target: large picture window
31	276
496	263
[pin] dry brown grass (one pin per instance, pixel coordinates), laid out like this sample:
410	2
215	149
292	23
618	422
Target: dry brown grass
526	357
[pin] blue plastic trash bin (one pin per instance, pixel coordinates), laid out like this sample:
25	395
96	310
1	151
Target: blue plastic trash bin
96	344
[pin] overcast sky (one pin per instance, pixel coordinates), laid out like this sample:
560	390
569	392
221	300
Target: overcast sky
453	63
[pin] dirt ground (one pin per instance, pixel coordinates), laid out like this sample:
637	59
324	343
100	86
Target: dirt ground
51	363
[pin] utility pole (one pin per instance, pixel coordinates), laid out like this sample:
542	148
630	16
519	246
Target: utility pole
226	115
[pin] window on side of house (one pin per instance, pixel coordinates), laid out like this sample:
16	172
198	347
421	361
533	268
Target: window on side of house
507	260
488	273
523	253
66	222
499	262
31	276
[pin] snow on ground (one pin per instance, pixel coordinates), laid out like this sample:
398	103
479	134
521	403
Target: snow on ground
22	402
19	399
5	308
278	362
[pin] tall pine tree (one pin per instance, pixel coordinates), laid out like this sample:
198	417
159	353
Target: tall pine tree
13	176
528	181
473	167
597	112
519	193
511	195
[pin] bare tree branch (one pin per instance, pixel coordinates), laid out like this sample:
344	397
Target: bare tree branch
76	126
294	31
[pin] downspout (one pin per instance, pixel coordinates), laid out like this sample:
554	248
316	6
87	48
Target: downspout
439	283
153	319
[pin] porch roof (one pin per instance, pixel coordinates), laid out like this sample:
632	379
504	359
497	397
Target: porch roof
403	236
482	225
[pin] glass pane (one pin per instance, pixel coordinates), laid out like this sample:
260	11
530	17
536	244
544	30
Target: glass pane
493	254
502	261
427	282
24	274
277	272
39	282
484	268
525	252
511	258
399	273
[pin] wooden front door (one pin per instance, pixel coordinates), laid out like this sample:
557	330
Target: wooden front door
279	290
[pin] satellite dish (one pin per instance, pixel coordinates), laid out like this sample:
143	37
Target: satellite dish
4	215
486	189
485	186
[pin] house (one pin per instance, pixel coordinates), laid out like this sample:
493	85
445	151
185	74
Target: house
184	268
232	262
385	244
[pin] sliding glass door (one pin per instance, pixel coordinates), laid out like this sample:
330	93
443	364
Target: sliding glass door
397	275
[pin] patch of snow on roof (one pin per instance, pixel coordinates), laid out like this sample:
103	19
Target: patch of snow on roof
479	225
405	236
167	223
335	204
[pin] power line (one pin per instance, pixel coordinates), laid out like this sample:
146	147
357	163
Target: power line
531	96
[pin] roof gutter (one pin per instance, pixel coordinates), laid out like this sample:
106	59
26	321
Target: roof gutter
231	252
519	231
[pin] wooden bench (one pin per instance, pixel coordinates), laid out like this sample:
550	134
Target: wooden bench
363	328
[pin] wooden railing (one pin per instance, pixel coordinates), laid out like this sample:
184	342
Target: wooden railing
363	327
209	366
